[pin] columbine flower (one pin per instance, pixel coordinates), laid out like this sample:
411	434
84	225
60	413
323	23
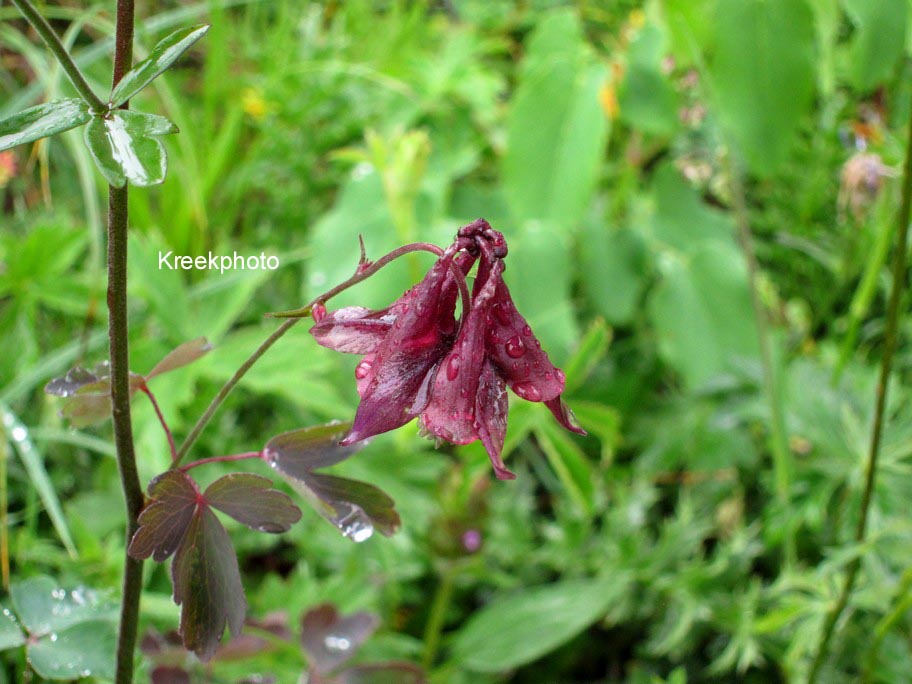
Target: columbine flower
419	363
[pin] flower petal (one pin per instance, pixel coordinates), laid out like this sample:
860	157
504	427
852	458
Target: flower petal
491	417
402	368
353	330
565	416
515	350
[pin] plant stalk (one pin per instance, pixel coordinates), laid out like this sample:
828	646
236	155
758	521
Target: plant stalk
52	40
886	367
120	374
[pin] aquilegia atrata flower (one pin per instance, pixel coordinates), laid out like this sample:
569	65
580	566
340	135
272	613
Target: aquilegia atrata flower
420	362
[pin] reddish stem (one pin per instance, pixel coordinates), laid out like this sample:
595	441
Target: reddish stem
222	459
161	419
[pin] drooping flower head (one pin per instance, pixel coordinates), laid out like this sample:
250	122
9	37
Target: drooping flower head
420	362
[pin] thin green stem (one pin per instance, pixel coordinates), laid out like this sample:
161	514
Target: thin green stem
365	270
434	627
886	367
52	40
118	334
222	459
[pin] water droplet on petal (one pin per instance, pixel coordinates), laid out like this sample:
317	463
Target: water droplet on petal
337	643
527	391
527	331
362	369
560	375
515	347
452	368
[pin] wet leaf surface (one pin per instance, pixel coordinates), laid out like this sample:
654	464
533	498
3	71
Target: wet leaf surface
42	121
330	639
125	147
251	500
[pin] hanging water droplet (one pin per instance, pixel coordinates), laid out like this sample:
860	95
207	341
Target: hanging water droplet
515	347
53	636
527	391
362	369
353	522
337	643
452	368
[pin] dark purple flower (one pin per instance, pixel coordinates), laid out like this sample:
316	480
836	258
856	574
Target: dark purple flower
419	363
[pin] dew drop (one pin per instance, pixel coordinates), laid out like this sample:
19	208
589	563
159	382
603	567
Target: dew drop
362	369
337	643
560	375
452	368
53	636
527	391
353	522
515	347
527	331
58	594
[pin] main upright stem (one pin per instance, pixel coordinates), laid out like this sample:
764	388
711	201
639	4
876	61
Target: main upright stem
120	373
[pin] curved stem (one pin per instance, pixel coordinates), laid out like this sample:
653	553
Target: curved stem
222	459
886	367
161	419
52	40
365	270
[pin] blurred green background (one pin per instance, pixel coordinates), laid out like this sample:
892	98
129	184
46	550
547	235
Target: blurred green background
701	532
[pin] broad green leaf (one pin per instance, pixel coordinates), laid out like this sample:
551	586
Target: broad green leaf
207	585
18	435
682	220
186	353
321	625
556	129
163	55
522	627
590	351
702	313
251	500
125	147
44	607
570	463
763	76
878	40
42	121
647	99
83	650
614	267
11	634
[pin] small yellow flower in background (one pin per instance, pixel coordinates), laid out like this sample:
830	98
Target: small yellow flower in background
608	100
7	167
254	104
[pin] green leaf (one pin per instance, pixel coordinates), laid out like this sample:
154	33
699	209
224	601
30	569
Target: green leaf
11	634
877	44
44	607
84	650
42	121
570	463
163	55
522	627
125	147
615	269
590	351
764	78
647	99
702	313
556	130
207	585
18	435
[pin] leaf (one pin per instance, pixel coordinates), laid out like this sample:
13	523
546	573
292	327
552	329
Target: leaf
163	55
764	78
33	462
647	99
614	269
878	41
186	353
520	628
702	313
167	517
556	129
250	500
330	639
125	147
42	121
87	393
356	508
591	350
44	607
84	650
11	634
382	673
207	585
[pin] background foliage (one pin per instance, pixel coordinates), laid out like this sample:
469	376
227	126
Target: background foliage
622	148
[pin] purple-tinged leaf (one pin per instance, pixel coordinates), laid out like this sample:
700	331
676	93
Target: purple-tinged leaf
207	585
355	507
298	452
331	639
165	520
170	674
77	378
382	673
248	644
87	393
182	355
251	500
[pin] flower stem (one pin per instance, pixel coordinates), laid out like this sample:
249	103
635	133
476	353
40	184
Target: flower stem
222	459
120	374
362	273
49	36
161	419
434	627
886	367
